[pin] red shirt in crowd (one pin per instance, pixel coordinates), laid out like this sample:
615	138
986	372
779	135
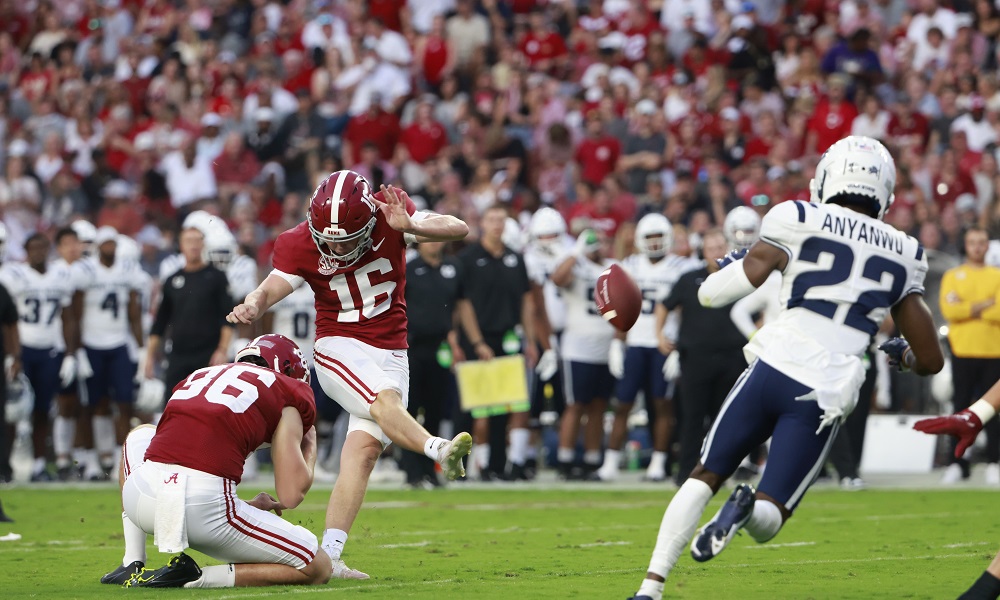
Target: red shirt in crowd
424	143
435	59
914	130
537	48
606	223
388	12
597	158
831	122
380	128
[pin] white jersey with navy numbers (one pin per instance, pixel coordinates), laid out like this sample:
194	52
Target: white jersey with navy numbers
588	335
295	318
242	276
40	299
655	281
845	270
540	266
106	292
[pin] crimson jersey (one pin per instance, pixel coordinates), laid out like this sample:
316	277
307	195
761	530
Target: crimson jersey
364	301
219	415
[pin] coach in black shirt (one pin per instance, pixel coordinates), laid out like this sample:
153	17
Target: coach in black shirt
711	353
434	298
497	285
193	305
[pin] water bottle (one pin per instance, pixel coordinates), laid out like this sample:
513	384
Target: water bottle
632	448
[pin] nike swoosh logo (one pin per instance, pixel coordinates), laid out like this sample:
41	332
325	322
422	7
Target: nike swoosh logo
375	247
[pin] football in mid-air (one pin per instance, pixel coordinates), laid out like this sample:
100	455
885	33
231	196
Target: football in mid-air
618	298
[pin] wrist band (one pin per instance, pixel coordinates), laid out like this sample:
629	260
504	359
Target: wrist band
983	409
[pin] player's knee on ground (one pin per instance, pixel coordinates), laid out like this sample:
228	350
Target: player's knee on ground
319	571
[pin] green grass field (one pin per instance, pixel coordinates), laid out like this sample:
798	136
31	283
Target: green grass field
529	543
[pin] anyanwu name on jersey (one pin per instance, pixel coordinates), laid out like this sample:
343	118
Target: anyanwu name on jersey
876	234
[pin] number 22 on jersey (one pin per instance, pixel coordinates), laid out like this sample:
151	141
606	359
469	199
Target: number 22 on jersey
363	292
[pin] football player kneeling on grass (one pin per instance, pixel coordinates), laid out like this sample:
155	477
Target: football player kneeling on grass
179	479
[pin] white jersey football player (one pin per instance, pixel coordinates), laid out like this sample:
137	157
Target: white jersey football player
42	295
843	270
587	381
107	302
548	244
742	229
634	358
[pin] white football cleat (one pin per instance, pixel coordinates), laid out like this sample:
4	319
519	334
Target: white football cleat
453	453
606	473
342	571
952	475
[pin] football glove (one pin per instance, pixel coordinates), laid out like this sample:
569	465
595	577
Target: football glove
672	366
965	425
616	358
899	353
587	243
83	368
732	257
547	365
67	371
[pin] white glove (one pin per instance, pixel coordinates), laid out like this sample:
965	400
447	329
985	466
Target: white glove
83	368
586	243
67	371
616	358
547	365
140	362
672	366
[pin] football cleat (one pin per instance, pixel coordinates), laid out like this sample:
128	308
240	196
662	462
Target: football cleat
122	573
452	455
713	538
342	571
3	516
641	598
180	570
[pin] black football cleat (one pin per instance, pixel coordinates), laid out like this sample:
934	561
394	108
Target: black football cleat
3	516
179	571
122	574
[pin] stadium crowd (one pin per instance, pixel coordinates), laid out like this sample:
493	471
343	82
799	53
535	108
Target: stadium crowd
134	114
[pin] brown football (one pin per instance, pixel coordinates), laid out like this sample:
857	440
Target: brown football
618	298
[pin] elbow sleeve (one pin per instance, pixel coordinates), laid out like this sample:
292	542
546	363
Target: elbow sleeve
725	286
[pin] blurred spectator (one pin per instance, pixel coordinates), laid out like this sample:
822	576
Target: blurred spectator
832	118
376	126
856	59
119	209
189	180
644	149
467	33
979	132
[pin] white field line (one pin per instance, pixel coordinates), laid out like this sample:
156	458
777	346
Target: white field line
788	545
968	544
600	544
411	545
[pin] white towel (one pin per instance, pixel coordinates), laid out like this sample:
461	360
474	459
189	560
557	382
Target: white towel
170	524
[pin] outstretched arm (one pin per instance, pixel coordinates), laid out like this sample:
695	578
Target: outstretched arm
270	291
431	228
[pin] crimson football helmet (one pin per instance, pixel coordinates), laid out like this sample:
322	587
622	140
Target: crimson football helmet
278	353
342	210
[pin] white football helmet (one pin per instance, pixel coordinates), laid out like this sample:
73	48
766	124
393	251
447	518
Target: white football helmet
127	249
220	247
149	399
654	235
546	230
86	232
20	400
856	165
202	221
742	227
512	236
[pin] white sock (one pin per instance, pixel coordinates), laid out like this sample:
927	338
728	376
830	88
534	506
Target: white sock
612	458
765	521
135	542
104	435
216	576
481	456
592	457
520	439
651	588
678	525
565	455
333	542
38	466
657	463
433	447
63	431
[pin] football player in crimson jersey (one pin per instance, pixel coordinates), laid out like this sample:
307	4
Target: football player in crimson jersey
351	252
965	425
179	478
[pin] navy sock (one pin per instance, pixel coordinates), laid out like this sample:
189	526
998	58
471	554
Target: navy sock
987	587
